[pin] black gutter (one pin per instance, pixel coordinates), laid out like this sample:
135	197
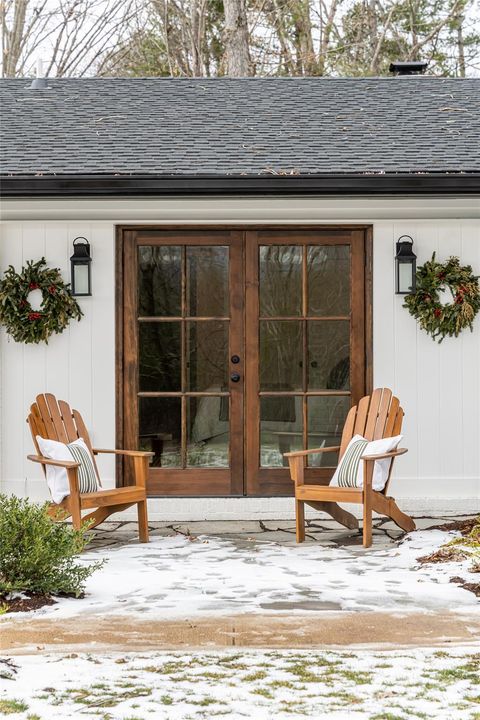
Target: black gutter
122	185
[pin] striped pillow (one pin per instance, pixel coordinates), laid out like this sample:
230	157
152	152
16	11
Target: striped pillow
87	477
350	463
349	472
57	476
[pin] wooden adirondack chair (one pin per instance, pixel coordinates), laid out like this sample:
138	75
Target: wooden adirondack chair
57	421
375	417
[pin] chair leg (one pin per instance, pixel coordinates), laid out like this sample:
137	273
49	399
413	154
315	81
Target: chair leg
367	504
387	506
300	520
76	513
142	521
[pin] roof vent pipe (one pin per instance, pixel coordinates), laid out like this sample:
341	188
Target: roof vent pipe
40	82
412	67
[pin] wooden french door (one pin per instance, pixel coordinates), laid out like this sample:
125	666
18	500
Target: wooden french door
305	309
235	346
183	358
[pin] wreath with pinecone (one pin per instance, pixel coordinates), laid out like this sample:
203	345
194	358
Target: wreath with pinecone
442	320
17	315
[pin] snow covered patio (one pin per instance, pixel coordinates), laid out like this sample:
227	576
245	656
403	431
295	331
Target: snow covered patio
249	583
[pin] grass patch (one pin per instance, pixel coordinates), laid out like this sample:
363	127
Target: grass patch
356	676
276	684
344	697
264	692
207	701
8	707
259	675
468	671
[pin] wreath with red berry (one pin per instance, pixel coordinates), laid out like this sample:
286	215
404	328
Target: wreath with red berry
449	319
17	315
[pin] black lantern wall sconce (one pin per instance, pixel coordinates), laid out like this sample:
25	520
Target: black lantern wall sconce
405	266
80	263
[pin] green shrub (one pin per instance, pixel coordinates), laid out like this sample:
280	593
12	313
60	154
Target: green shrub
37	554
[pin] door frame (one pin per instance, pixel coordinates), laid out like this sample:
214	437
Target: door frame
123	471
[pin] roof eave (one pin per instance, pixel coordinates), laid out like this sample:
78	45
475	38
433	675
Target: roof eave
321	184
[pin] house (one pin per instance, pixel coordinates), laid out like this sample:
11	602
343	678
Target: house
243	237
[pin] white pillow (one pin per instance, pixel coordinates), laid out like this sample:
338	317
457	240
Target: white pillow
353	458
57	479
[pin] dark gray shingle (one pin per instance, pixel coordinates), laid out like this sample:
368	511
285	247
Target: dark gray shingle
240	126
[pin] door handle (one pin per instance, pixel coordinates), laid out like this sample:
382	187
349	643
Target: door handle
235	377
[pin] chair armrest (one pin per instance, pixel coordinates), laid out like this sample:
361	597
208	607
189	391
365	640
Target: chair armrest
313	451
57	463
130	453
381	456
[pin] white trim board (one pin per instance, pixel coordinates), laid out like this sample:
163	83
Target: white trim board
240	209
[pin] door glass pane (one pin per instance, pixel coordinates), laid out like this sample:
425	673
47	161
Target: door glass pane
328	280
207	281
281	355
159	357
280	280
281	428
160	429
328	355
159	280
326	418
207	355
208	431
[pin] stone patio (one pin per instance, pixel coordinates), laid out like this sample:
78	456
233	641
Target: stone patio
325	532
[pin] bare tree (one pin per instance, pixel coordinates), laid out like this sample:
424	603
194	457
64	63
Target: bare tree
236	38
70	34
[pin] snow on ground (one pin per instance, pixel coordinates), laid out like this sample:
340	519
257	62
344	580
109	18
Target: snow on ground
260	685
173	577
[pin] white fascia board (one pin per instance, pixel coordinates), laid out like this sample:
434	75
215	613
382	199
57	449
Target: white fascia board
240	209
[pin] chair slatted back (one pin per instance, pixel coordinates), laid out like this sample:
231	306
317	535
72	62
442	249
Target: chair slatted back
376	416
55	420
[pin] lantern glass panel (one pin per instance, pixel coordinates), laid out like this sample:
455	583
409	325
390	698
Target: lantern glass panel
405	277
81	273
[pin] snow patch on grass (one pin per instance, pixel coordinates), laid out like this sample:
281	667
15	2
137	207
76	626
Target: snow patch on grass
238	684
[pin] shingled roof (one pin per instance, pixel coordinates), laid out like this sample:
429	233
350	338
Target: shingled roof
242	127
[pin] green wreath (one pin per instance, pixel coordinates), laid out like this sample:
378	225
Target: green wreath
57	309
424	304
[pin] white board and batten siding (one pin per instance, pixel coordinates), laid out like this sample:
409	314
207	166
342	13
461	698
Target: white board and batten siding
439	385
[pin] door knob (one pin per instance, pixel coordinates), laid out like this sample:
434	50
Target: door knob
234	377
235	359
